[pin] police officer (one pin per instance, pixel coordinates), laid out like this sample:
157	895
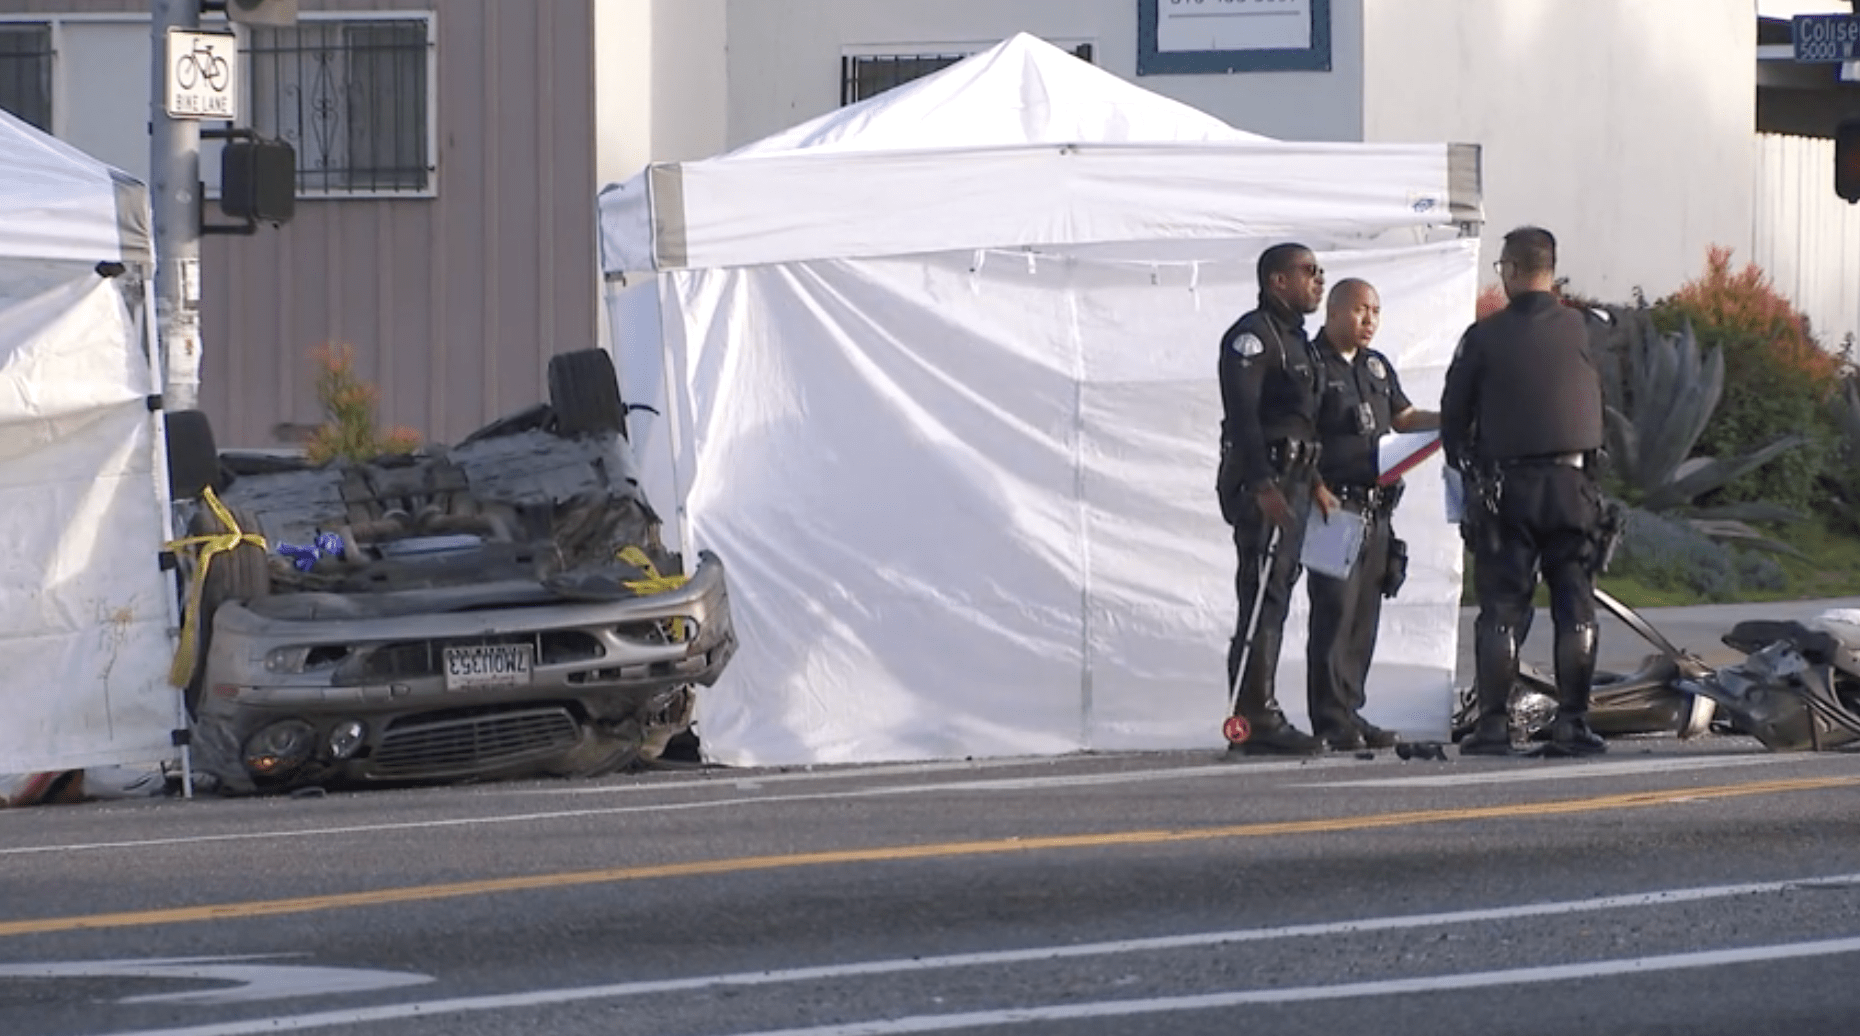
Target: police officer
1361	401
1269	392
1521	419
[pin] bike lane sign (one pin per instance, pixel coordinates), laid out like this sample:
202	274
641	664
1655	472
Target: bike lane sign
203	75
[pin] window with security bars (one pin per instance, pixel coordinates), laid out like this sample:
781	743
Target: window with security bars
26	73
868	75
351	98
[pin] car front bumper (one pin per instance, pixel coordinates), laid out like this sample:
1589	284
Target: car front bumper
595	667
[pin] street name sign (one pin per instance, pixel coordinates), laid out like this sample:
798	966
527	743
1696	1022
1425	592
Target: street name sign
1829	38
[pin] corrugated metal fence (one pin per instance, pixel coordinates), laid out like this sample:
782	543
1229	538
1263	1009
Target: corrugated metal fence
1807	238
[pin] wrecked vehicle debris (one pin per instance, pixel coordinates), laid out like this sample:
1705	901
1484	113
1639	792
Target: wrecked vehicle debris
501	608
1653	699
1798	688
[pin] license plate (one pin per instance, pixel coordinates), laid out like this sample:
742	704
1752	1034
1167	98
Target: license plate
502	665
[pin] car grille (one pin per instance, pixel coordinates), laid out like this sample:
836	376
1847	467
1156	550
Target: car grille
412	659
425	747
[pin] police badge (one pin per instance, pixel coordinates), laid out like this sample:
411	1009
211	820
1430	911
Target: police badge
1377	370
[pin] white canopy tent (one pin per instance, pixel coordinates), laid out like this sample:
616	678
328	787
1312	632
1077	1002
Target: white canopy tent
937	373
85	608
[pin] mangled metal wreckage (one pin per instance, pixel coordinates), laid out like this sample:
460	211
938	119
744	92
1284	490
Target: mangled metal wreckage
503	608
1797	689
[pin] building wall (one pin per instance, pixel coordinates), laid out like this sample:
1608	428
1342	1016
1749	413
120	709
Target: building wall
661	83
454	302
784	59
1807	238
1624	126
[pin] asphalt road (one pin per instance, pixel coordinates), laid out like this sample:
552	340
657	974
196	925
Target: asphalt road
1703	887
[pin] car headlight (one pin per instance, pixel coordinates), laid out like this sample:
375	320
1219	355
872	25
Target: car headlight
346	737
304	659
280	748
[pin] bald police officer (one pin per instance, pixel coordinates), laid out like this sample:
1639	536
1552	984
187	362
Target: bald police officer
1362	400
1521	419
1269	394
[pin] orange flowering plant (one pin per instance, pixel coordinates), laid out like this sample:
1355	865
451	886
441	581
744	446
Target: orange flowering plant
349	401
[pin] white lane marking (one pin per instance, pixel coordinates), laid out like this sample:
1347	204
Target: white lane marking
253	982
547	997
1527	773
1351	990
822	772
1026	783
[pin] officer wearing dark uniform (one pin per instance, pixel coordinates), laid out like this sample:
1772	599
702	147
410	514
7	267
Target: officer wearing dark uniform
1269	393
1521	419
1362	401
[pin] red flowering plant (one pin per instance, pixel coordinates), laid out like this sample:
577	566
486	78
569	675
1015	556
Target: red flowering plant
1778	380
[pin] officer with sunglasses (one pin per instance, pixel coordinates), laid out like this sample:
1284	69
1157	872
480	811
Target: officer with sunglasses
1270	384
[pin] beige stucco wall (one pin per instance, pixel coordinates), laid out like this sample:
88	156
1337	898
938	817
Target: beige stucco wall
784	59
1624	126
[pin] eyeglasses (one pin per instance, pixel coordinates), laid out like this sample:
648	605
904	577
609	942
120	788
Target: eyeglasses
1499	266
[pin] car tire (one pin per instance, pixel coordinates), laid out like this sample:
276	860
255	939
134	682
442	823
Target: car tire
585	394
240	574
193	458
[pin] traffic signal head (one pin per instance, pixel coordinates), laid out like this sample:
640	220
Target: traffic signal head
262	12
1847	160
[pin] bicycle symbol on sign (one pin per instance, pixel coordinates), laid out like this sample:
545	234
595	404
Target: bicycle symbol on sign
201	63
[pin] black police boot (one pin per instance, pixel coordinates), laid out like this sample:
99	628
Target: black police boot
1376	737
1575	676
1496	672
1271	733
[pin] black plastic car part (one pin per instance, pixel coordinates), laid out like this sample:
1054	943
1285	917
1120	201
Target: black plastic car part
193	459
585	393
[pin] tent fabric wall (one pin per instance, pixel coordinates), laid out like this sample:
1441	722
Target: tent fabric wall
970	512
86	610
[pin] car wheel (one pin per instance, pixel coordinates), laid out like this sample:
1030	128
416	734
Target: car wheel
240	574
585	394
193	459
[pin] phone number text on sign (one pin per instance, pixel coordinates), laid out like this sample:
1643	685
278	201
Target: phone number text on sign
1198	25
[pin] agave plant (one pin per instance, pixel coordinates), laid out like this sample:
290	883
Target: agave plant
1661	391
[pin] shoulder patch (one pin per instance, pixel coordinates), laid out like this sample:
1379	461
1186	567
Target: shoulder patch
1248	345
1377	369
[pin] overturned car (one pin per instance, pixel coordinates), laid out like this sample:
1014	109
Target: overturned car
501	608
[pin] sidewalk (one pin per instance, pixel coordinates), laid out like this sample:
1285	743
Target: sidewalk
1696	628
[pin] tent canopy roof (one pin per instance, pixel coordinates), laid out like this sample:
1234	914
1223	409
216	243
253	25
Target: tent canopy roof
57	202
1021	145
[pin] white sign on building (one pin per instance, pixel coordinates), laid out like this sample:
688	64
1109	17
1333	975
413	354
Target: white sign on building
1228	25
203	75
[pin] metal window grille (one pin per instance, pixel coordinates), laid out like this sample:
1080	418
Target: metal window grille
350	97
868	75
26	73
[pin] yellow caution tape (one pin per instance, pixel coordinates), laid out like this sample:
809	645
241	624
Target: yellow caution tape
654	583
182	670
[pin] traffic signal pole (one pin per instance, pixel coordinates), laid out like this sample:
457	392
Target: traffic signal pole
174	195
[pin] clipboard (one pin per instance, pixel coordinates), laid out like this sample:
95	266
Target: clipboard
1401	452
1332	544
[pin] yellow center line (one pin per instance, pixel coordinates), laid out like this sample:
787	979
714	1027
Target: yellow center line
743	864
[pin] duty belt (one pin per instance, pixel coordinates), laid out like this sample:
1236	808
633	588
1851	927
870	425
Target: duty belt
1287	455
1370	499
1572	460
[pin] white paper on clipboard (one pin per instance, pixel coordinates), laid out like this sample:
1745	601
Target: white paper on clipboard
1332	544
